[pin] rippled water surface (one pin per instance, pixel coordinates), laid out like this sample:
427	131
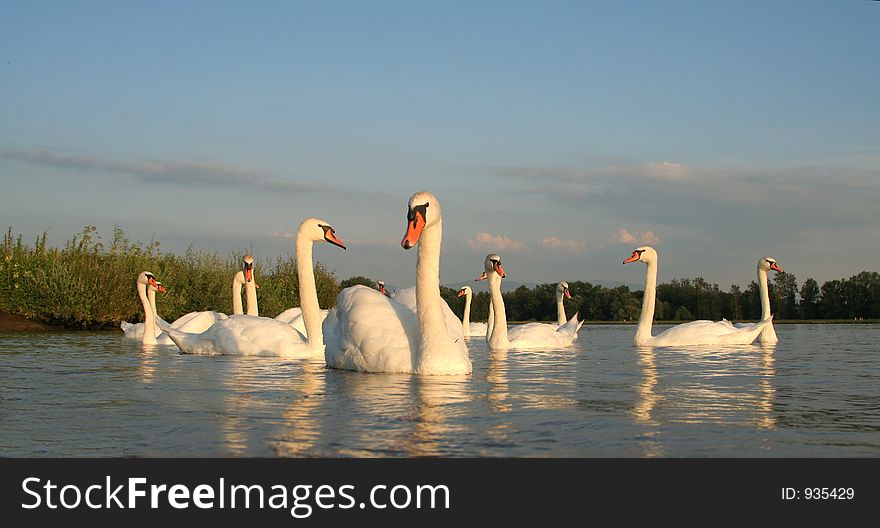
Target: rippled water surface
816	393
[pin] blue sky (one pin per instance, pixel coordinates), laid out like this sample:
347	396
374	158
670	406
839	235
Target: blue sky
558	134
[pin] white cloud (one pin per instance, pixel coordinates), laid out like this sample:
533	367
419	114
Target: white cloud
165	171
625	237
283	234
490	242
648	237
564	244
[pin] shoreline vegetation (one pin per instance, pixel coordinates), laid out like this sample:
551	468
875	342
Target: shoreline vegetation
90	285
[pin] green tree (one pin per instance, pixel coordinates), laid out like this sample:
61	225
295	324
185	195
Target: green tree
810	298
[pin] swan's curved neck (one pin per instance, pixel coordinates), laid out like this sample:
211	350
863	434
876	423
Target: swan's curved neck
151	293
646	319
560	309
149	316
765	294
308	292
498	338
466	317
237	308
490	325
250	289
433	335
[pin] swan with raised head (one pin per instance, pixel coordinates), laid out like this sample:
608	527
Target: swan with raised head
146	332
768	334
250	285
692	333
562	293
262	336
525	336
467	327
370	332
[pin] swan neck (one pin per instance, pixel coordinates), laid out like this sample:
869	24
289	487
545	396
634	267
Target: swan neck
308	292
560	309
646	318
237	308
250	289
490	325
152	295
765	294
433	335
498	337
149	316
466	317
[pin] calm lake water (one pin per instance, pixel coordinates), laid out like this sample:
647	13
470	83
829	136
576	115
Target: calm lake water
815	393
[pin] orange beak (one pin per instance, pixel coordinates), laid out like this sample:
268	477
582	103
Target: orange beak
382	290
567	294
775	267
156	285
482	277
331	237
248	275
461	293
635	256
499	270
413	231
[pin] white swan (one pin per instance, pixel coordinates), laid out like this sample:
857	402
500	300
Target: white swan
768	334
146	332
692	333
146	282
561	294
380	285
467	327
250	285
253	335
370	332
530	335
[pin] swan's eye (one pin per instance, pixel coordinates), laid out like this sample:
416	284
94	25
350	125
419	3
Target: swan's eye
411	213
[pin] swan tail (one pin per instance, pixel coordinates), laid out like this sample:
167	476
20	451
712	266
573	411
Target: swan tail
758	328
571	327
125	326
184	340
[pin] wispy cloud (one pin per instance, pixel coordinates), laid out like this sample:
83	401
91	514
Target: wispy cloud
283	234
167	172
657	170
490	242
625	237
564	244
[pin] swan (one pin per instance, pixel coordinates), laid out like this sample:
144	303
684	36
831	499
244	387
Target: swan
254	335
380	285
146	332
370	332
692	333
136	330
250	288
530	335
467	327
561	293
768	334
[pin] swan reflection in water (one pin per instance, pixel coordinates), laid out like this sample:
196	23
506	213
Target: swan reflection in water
730	385
302	418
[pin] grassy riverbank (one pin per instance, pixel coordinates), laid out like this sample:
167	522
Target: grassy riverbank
88	284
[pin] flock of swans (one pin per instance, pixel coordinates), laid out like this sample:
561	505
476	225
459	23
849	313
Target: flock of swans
412	330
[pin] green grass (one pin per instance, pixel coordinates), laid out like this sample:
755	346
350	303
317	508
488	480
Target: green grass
90	285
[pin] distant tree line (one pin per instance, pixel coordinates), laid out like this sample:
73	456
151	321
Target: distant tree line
857	297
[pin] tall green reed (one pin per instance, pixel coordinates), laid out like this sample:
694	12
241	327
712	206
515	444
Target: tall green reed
88	285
